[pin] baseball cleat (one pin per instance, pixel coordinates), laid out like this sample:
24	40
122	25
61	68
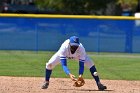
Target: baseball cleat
45	85
101	87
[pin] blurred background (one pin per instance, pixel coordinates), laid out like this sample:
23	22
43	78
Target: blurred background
23	28
76	7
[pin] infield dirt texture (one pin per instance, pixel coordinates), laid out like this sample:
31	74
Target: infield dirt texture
64	85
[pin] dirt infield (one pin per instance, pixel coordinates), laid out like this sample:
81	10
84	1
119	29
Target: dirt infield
63	85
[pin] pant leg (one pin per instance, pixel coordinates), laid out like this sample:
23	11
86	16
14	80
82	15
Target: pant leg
55	60
88	62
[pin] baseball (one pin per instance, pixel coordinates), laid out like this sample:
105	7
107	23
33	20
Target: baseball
95	74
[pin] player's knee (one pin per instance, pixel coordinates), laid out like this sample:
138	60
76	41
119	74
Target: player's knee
93	71
49	66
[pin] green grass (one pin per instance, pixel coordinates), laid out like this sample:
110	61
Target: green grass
118	66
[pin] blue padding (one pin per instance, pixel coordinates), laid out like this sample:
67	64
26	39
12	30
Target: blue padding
97	35
81	68
64	66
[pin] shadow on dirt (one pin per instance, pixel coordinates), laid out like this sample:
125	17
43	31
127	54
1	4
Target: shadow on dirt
85	89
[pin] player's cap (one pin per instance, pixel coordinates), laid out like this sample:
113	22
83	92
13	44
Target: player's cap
74	41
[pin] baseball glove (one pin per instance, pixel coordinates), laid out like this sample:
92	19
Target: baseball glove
79	82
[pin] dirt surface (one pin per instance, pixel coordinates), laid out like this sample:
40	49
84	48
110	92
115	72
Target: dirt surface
63	85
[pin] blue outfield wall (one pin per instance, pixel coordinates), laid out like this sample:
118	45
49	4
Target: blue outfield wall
97	34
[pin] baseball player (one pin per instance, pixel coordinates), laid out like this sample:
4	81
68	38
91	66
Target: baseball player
72	49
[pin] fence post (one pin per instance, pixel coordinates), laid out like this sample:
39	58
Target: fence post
129	39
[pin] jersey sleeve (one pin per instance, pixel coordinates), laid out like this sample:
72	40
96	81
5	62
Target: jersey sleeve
62	50
63	59
64	66
82	60
81	68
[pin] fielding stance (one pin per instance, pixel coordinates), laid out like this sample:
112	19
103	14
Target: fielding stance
72	49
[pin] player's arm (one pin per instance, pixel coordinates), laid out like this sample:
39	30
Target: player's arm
81	60
64	65
62	53
81	67
63	60
65	68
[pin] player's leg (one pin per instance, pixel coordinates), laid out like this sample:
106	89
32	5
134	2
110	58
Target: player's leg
49	67
93	71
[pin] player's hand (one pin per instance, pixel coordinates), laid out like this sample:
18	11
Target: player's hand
72	77
80	82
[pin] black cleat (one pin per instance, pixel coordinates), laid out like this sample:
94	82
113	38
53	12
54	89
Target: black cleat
45	85
101	87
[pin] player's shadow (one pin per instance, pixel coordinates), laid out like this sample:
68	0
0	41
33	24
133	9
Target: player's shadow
86	89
